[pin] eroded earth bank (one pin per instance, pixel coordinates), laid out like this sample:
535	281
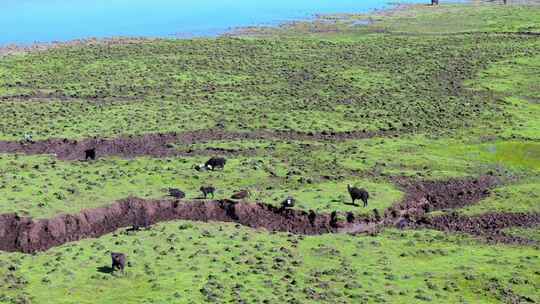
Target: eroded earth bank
29	235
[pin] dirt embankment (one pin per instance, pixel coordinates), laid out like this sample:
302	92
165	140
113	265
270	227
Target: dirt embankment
31	235
489	226
28	235
160	145
449	194
425	196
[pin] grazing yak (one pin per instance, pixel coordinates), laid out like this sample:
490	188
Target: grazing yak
207	190
176	193
28	138
215	162
358	193
118	261
312	216
90	154
350	217
402	223
289	202
333	219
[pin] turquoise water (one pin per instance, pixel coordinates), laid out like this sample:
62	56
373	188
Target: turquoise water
29	21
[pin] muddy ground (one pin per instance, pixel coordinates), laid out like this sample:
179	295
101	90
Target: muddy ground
160	145
448	194
489	226
425	196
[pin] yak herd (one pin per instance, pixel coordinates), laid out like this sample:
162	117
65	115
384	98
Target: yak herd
219	163
214	163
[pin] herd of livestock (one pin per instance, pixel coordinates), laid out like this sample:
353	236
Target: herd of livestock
214	163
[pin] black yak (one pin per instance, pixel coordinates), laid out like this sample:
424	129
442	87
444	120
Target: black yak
118	261
312	217
289	202
176	193
333	219
357	193
350	217
402	223
90	154
215	162
207	190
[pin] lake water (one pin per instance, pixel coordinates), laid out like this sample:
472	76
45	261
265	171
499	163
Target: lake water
29	21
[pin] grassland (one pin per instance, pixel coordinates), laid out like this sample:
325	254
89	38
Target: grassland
452	90
248	84
196	263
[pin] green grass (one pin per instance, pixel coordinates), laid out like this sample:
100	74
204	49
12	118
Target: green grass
40	186
461	106
253	84
316	174
516	83
329	196
522	197
439	158
528	233
516	154
515	77
195	263
317	177
455	18
419	19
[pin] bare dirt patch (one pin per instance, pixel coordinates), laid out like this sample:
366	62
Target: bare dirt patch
29	235
449	194
489	226
425	196
159	145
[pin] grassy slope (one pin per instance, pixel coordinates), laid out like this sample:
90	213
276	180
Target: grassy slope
338	81
41	186
530	233
249	84
454	19
421	19
185	263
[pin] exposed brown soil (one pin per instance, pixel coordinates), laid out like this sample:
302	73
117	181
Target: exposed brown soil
28	235
449	194
159	145
31	235
488	225
425	196
40	96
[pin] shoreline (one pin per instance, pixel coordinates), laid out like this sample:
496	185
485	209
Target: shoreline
13	49
240	31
